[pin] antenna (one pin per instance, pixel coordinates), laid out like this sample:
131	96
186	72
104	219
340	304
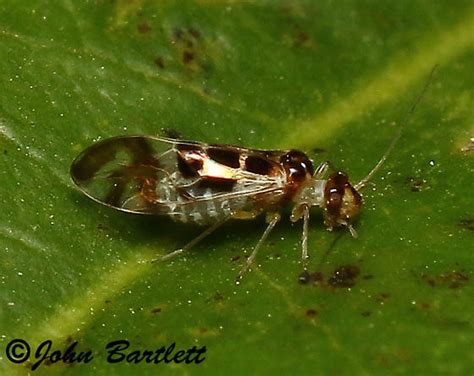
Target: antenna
409	114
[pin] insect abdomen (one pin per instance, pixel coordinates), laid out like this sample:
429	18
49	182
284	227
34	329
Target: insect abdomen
201	213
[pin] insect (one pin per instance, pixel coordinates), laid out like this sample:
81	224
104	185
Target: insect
209	184
193	182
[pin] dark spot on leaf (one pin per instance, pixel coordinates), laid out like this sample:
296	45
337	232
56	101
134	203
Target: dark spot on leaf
235	258
318	150
194	32
302	39
159	62
368	276
382	297
425	305
344	276
311	313
156	310
452	279
144	27
203	330
416	184
366	313
5	152
216	297
102	227
467	224
48	362
178	34
188	57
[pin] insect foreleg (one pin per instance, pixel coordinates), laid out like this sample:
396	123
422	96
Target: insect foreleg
272	220
322	169
192	243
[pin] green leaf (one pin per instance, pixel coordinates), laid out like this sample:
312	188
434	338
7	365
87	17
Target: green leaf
333	79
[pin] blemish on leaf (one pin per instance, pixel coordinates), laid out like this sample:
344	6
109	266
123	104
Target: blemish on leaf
344	276
156	310
416	184
382	297
453	279
177	34
311	313
467	224
425	305
159	62
188	57
102	227
144	27
216	297
366	313
302	39
318	150
194	32
191	49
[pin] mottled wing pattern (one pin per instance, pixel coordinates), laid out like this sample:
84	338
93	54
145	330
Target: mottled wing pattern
189	181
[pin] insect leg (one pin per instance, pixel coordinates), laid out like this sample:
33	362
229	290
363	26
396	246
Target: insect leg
322	169
272	221
304	238
192	243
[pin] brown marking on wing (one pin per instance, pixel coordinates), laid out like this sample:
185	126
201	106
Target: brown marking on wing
217	184
116	193
227	156
259	165
190	159
142	167
189	146
188	167
98	155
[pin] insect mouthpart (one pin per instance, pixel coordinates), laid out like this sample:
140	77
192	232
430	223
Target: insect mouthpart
342	202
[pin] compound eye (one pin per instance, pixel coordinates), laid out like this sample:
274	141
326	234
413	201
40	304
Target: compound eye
335	198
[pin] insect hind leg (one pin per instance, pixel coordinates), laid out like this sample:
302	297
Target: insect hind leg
272	220
192	243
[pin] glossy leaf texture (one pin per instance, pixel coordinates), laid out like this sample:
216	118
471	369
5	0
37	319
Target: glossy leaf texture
334	79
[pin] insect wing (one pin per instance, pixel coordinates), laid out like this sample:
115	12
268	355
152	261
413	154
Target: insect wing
124	172
151	175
